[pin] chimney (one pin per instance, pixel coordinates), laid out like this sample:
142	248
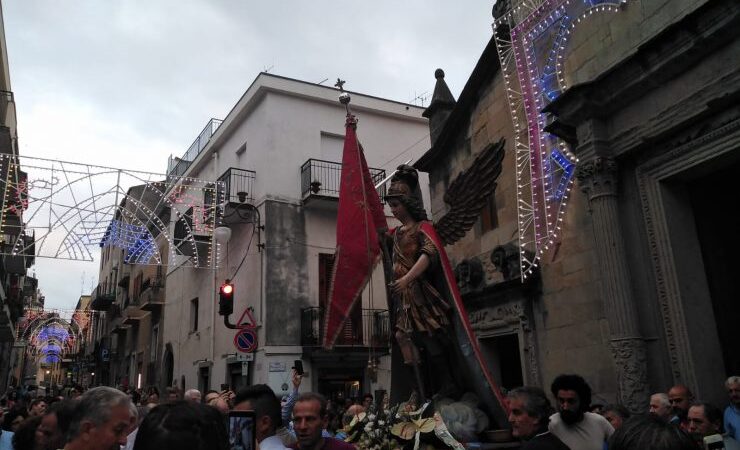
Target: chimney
440	107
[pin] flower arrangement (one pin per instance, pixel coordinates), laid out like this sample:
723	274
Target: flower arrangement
399	427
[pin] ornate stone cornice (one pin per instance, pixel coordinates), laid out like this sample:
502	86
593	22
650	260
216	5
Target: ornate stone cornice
598	177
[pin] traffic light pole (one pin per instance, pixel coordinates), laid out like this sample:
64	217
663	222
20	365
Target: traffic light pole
228	324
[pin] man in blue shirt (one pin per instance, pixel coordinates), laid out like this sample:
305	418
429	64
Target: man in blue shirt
732	412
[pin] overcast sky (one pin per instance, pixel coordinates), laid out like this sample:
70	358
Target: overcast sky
126	83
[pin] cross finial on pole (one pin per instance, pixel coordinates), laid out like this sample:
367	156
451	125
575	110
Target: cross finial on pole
344	97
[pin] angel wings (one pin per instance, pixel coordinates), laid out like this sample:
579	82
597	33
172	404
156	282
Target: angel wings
468	193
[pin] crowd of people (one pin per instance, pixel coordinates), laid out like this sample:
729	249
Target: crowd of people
674	420
104	418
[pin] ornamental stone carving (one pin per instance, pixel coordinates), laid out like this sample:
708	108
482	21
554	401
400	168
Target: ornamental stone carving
506	319
629	355
598	177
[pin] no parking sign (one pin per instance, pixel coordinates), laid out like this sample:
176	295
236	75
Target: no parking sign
246	340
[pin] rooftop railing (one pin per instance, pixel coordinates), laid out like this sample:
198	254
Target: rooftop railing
177	167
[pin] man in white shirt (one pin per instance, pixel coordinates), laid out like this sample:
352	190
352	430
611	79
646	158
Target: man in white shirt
573	424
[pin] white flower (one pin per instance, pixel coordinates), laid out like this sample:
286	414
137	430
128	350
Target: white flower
381	423
371	417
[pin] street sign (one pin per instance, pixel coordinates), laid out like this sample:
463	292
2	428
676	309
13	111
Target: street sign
245	340
245	357
245	369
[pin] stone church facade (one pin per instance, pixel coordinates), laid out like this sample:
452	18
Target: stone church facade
638	294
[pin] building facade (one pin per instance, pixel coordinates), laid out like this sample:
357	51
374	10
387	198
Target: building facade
13	197
278	153
636	294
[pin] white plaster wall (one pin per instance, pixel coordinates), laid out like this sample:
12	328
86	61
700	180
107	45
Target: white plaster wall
281	132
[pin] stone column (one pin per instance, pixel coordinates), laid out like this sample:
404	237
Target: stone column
598	179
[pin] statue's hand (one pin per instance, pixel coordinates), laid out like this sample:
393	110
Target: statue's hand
400	284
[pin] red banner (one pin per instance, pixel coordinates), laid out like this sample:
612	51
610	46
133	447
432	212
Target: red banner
359	217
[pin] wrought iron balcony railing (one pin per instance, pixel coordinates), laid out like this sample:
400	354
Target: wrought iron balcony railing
103	296
321	178
177	166
238	185
369	328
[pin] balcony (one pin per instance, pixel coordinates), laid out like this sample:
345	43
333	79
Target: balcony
20	255
176	167
200	235
103	297
152	294
238	196
368	329
320	180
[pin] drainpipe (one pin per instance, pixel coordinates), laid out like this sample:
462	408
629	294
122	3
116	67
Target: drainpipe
213	287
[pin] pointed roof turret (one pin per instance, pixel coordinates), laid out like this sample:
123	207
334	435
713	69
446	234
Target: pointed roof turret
440	107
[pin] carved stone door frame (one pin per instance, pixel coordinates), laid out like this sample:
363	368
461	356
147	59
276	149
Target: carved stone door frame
510	318
652	176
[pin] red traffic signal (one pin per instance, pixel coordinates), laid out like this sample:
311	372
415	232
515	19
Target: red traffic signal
226	299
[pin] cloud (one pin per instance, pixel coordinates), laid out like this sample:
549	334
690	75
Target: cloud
126	84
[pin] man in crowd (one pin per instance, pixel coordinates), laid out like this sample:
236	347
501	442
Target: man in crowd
37	407
266	406
310	417
367	401
218	401
615	414
100	421
681	398
192	395
50	434
705	420
173	394
660	406
573	424
732	412
529	417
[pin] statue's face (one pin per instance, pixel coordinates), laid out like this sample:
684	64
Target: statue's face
398	209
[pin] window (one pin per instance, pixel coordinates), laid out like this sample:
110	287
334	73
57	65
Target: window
194	315
137	286
153	344
332	146
326	263
489	215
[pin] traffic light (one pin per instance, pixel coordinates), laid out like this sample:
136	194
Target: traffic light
226	299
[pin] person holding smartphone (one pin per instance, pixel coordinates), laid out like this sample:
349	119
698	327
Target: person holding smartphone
266	406
705	426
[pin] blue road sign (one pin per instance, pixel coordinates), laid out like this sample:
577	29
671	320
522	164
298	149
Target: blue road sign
246	340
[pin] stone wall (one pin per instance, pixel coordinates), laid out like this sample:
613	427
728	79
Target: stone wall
286	275
572	335
602	41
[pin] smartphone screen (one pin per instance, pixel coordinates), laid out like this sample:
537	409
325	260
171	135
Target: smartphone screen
298	366
241	430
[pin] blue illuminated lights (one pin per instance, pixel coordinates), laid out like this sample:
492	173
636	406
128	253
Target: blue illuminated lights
136	240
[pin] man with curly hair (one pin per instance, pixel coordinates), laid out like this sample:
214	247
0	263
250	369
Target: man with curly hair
573	424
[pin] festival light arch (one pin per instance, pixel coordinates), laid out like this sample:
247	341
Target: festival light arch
532	42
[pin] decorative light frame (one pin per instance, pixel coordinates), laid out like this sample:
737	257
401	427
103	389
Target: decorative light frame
69	208
545	164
